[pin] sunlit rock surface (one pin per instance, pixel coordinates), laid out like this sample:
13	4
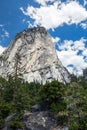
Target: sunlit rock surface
39	61
42	121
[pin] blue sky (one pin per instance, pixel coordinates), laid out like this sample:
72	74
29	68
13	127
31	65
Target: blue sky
65	20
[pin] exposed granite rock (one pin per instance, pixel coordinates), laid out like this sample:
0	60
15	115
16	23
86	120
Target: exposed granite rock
39	61
42	121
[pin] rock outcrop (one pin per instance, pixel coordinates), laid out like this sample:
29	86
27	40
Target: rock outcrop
39	61
42	121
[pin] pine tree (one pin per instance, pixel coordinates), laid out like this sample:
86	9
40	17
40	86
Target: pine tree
77	106
54	93
17	73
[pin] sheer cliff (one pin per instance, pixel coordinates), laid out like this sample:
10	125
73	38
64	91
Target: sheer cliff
39	61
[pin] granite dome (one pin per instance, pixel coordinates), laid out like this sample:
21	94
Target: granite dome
39	60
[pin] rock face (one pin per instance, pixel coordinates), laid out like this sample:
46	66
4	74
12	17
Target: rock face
42	121
39	61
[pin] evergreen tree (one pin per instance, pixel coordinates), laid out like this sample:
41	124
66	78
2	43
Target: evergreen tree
17	73
22	100
54	93
77	106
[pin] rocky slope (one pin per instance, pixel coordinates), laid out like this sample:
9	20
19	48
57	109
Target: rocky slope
39	61
42	121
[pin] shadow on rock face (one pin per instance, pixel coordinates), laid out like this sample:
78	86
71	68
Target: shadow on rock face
41	106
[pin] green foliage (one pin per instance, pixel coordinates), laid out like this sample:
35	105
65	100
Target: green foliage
22	100
77	105
82	123
68	103
82	82
2	123
73	126
53	92
3	81
58	106
33	89
8	94
62	119
16	123
5	109
73	78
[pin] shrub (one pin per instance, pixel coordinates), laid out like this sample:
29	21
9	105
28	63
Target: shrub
16	124
5	109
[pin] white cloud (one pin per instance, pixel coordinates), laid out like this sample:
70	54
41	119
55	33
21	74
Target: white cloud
85	2
68	54
3	31
85	52
30	25
56	14
73	45
44	2
83	25
4	34
56	39
2	49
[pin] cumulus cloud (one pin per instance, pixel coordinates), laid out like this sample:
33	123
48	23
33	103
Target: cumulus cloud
56	39
69	54
85	52
85	2
2	49
84	25
44	2
56	14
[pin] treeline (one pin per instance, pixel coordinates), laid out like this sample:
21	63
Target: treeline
68	102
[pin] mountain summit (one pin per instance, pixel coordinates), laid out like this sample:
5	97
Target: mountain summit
39	61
